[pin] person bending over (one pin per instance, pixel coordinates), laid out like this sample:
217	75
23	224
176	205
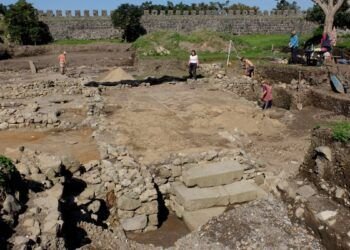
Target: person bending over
249	67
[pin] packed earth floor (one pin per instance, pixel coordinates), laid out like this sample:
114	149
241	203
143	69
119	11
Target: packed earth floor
89	155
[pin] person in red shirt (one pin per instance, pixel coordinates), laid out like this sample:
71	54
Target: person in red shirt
266	96
62	61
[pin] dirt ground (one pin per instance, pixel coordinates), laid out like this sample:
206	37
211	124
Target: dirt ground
78	144
167	119
77	55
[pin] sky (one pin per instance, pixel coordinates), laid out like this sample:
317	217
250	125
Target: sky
113	4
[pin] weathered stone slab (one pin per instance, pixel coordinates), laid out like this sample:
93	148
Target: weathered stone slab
306	191
136	223
198	218
213	174
128	204
197	198
240	192
32	67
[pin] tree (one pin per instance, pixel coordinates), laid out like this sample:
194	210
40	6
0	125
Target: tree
3	9
286	5
241	7
330	8
127	17
341	19
23	25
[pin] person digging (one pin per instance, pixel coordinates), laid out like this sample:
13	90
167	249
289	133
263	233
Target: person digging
248	66
266	96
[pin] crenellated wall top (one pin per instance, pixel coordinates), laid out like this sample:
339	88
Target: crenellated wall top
105	13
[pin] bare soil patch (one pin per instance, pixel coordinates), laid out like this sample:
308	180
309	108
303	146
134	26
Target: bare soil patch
78	144
87	55
168	119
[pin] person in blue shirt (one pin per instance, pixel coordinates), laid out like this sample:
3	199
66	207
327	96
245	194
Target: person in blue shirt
293	45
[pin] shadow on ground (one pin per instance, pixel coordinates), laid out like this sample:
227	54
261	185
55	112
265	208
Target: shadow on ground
135	83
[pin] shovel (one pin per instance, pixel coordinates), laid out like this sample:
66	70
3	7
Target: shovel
299	104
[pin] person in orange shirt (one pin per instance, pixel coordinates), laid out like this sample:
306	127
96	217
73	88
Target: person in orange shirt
62	61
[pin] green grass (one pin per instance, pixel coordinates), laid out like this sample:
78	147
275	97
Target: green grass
84	42
341	131
212	46
344	42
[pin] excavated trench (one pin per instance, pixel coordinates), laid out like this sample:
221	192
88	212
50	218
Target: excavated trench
170	228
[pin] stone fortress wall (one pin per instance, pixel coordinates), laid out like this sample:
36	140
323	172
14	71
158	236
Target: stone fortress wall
98	25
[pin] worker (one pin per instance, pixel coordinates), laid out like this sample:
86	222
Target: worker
193	63
248	66
62	62
326	43
293	45
266	96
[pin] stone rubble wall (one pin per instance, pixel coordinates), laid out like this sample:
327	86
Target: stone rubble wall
83	25
16	114
326	165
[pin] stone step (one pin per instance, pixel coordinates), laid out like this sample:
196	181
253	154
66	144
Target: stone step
198	218
198	198
213	174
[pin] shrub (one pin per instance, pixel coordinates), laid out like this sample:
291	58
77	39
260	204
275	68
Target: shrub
341	131
7	170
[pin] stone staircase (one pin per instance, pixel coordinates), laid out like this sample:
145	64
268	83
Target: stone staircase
207	189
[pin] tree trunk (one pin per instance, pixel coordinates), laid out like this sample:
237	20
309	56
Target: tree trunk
328	23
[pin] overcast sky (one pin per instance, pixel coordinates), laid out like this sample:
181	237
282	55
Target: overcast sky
112	4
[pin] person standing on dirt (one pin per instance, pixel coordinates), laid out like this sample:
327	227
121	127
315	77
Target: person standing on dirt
248	66
266	96
294	45
62	62
326	43
193	63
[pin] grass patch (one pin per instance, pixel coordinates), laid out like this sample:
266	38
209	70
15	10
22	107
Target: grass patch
341	131
344	42
212	46
84	42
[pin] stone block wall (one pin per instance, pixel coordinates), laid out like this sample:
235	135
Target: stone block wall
97	25
234	23
84	27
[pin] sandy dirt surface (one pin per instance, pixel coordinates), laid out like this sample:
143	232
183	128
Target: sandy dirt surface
167	119
96	56
78	144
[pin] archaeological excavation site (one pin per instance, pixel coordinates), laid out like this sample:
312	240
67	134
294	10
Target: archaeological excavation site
113	145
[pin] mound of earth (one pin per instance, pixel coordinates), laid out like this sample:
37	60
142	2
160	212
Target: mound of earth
116	75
